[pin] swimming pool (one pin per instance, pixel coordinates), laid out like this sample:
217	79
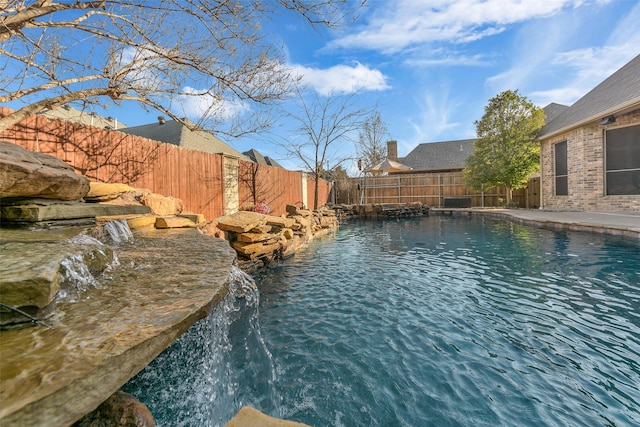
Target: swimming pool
437	320
456	321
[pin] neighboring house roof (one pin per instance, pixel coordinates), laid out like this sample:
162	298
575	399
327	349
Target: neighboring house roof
444	155
552	111
176	133
452	155
257	157
70	114
272	162
619	92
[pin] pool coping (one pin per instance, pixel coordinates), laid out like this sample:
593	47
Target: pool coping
625	224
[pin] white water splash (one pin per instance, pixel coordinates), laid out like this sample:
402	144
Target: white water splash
204	377
79	271
118	231
75	277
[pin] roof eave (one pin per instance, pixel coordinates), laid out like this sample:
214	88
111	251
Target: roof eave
618	109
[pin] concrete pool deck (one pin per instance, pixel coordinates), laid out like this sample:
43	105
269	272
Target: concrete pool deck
615	223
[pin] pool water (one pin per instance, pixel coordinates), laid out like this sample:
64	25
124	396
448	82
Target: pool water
455	321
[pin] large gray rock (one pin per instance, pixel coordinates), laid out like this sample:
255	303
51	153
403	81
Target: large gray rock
32	212
25	174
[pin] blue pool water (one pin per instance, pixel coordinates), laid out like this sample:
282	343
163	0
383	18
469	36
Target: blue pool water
433	321
443	321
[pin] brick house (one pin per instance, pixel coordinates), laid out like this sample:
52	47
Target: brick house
590	152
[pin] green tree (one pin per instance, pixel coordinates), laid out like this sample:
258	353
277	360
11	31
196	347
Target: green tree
506	152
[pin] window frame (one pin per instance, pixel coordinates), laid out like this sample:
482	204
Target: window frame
563	177
609	172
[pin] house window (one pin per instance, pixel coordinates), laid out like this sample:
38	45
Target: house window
622	161
562	187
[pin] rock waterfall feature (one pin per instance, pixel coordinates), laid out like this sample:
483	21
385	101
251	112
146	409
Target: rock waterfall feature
53	376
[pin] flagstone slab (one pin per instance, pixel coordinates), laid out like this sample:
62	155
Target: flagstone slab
64	211
174	222
241	222
24	173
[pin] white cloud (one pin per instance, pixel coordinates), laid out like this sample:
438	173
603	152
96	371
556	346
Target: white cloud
197	105
449	59
561	69
406	23
341	79
438	115
590	66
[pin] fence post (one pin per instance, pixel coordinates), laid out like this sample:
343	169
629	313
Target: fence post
439	190
304	190
231	184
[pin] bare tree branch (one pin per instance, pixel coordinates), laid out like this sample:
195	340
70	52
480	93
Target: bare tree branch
206	59
322	124
45	104
26	16
370	146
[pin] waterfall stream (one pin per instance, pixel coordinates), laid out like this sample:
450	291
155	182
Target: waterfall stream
219	365
118	231
118	313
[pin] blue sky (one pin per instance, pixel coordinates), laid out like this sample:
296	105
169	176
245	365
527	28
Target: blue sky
430	66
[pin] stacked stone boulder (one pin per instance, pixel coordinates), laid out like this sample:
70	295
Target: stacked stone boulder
28	175
261	239
381	210
164	211
39	191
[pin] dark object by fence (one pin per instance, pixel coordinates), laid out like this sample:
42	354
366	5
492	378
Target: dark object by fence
457	202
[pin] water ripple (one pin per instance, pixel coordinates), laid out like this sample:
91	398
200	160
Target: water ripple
457	321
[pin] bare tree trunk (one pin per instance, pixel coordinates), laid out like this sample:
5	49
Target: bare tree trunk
509	195
315	194
323	123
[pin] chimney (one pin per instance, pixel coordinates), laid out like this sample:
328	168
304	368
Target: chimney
392	150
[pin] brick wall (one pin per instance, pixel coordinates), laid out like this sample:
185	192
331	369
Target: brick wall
585	163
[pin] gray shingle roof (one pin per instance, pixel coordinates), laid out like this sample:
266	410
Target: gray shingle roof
272	162
85	117
173	132
439	155
618	92
257	157
552	111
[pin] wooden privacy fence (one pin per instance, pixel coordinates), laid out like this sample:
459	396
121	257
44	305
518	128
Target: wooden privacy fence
211	184
432	189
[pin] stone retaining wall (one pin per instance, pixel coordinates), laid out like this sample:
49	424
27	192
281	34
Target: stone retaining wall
261	239
381	210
